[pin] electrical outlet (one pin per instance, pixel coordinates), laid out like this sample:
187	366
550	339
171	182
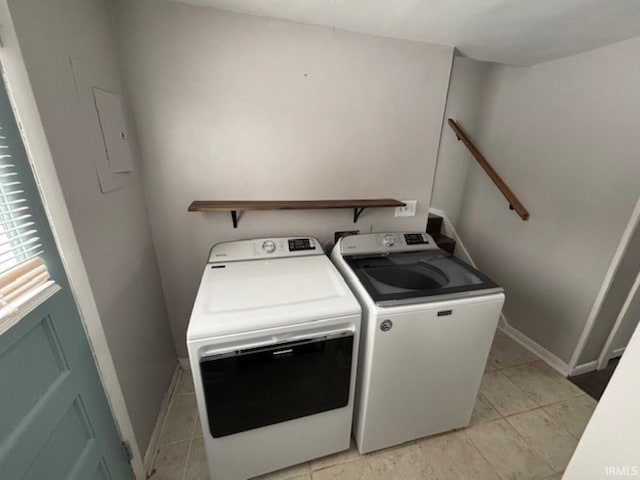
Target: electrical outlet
409	210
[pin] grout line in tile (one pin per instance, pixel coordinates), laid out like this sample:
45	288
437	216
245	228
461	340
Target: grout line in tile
543	409
351	460
195	424
480	452
361	457
527	443
524	393
173	443
539	407
561	426
174	395
186	462
188	457
514	365
193	429
164	423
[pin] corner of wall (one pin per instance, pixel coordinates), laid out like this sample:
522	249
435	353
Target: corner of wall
462	252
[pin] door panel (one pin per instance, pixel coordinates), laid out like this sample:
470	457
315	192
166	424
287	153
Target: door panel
55	420
101	473
54	417
27	377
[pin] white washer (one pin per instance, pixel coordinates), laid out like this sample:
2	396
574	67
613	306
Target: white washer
427	327
273	345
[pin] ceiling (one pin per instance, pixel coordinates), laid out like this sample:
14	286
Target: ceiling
521	32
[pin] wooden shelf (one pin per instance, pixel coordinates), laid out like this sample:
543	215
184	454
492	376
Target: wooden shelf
234	206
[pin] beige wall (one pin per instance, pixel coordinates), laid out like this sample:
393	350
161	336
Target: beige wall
232	106
564	136
465	104
113	230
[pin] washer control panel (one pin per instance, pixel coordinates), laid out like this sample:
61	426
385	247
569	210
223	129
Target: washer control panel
386	242
276	247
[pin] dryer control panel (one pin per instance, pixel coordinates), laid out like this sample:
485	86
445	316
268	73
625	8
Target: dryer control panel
258	248
386	242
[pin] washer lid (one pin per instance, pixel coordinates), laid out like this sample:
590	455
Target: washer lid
411	275
253	295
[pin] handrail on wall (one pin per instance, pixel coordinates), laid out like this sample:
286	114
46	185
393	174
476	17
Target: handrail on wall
514	203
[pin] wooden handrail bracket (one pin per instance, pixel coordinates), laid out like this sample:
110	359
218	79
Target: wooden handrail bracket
514	203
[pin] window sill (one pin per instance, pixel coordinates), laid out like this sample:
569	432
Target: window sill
12	314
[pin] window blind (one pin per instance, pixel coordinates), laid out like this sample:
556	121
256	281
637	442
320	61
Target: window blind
19	239
23	273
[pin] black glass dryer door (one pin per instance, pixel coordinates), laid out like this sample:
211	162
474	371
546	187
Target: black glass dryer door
253	388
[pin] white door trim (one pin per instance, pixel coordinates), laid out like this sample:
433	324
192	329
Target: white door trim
607	351
37	147
633	223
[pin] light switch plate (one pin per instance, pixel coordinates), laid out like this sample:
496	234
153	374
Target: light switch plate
409	210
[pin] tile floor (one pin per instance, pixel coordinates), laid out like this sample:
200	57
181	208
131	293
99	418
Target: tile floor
525	425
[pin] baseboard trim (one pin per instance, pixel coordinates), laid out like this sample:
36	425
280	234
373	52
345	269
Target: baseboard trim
618	352
184	363
162	415
584	368
550	359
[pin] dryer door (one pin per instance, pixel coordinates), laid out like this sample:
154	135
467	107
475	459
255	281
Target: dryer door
256	387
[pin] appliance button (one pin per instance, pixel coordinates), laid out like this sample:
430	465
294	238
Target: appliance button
269	246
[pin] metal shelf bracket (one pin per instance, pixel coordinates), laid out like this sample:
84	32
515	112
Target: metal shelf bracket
234	218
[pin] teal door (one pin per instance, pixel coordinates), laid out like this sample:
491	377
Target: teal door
55	421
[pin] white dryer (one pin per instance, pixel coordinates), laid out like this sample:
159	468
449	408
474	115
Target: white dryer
273	344
427	327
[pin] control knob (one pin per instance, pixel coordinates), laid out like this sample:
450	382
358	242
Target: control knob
389	240
269	246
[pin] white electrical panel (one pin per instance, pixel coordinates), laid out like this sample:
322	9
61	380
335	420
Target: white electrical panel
105	125
114	131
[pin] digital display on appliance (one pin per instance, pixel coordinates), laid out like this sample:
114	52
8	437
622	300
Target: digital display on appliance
414	239
300	244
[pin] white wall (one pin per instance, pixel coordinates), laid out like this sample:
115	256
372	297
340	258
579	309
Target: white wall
564	136
113	230
238	107
465	103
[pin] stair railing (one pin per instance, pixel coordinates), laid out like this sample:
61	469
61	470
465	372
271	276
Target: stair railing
514	203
